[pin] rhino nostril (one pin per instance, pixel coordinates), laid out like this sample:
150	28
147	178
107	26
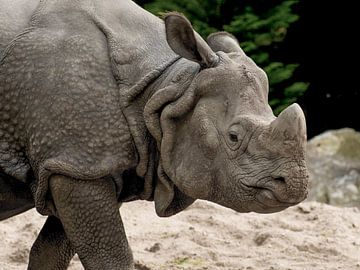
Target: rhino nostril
279	178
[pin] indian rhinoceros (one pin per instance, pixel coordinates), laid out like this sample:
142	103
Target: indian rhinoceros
104	103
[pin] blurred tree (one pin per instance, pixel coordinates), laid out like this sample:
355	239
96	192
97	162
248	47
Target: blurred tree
260	26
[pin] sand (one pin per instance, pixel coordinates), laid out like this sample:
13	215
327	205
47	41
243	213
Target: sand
206	236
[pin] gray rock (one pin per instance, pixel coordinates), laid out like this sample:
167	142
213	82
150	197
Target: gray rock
334	166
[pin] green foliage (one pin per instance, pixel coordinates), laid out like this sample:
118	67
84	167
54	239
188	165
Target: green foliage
200	12
260	26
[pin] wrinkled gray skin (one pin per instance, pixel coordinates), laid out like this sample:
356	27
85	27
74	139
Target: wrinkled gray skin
102	102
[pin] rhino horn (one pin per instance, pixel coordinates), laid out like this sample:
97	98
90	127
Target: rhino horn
290	125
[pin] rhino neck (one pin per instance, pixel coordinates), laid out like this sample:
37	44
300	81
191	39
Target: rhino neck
166	90
168	83
172	83
132	103
147	71
142	111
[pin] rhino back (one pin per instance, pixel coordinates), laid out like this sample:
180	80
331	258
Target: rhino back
14	18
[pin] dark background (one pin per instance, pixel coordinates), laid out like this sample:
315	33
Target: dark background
324	42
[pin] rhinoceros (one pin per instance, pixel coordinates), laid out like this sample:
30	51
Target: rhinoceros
104	103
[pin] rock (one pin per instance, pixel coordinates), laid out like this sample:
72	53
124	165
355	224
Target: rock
304	208
140	266
334	166
154	248
261	238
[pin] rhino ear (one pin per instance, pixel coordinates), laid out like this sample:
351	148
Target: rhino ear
184	41
224	41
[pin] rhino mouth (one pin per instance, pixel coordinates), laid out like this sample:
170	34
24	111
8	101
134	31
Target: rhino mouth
273	193
270	198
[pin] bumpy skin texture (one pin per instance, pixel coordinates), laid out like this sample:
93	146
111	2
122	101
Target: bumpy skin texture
102	102
52	243
100	242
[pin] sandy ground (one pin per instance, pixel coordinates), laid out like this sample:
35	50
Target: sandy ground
207	236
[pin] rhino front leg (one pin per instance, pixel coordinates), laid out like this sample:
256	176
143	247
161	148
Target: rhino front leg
52	249
90	215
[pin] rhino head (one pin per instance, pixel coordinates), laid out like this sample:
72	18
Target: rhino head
220	140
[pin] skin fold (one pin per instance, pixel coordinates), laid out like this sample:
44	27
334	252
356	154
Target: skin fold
103	103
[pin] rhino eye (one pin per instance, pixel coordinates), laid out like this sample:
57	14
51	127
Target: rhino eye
233	136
